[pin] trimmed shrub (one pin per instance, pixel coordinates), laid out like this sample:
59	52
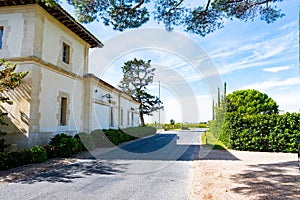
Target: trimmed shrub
263	132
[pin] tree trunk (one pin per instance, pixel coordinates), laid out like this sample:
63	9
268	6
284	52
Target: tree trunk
142	118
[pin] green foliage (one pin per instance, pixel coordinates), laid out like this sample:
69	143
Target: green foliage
250	102
62	145
252	123
208	139
169	126
183	126
85	142
200	18
111	137
264	132
141	131
3	144
9	80
36	154
100	139
172	122
119	136
137	75
216	125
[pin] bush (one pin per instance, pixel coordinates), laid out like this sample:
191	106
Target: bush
111	137
27	156
3	145
141	131
3	161
38	154
85	141
100	139
62	145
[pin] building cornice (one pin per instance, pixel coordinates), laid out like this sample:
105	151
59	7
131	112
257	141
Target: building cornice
47	65
61	15
105	84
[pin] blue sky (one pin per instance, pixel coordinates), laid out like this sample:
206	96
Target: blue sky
251	55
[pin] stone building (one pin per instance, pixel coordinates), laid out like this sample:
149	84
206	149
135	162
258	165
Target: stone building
58	95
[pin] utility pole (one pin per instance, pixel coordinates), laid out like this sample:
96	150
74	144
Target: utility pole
159	104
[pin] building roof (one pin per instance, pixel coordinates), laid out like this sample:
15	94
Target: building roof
61	15
100	81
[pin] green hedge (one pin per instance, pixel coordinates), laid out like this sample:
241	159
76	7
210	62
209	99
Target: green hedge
262	132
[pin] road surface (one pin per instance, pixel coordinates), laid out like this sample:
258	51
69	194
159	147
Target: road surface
156	167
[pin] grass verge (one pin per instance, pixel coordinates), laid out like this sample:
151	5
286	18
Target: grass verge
208	139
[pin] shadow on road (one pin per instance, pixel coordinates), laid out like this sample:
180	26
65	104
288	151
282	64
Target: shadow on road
183	146
63	172
272	181
209	154
179	146
161	147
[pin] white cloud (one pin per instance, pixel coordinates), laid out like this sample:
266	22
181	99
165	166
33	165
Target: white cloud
278	69
288	101
266	85
256	53
289	25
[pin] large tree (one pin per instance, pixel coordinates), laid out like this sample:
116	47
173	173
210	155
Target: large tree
137	75
250	102
199	17
9	80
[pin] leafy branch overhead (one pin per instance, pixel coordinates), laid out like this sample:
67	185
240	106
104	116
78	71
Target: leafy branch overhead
199	17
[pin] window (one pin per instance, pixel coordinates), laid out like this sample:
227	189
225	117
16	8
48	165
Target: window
63	111
111	116
66	53
122	117
132	118
1	36
128	119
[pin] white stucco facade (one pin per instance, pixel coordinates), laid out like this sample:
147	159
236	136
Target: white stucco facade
58	95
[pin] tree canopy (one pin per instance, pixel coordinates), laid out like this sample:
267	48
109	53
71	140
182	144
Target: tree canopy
250	102
201	17
137	75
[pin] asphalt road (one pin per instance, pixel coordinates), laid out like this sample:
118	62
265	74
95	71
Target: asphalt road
151	168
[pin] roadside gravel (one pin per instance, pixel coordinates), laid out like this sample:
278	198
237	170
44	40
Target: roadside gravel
221	174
